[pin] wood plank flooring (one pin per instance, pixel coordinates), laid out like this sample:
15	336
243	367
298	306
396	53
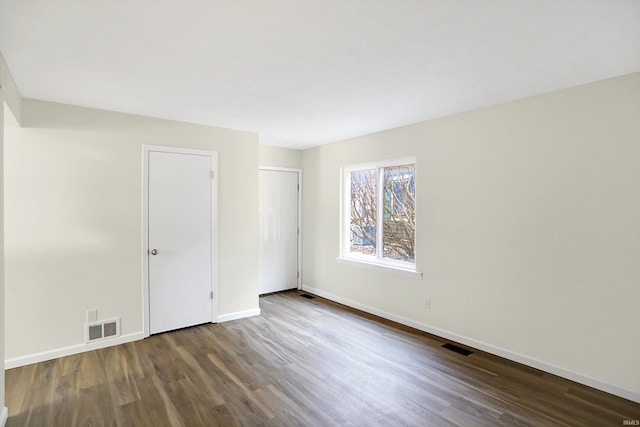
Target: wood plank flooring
302	363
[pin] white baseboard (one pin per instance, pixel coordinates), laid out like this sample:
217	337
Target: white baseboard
4	416
16	362
238	315
486	347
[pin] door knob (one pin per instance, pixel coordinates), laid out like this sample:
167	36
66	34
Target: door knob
154	252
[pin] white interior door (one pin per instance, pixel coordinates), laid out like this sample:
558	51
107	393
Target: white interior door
179	240
278	230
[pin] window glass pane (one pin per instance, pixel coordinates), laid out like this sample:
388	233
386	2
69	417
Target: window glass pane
363	212
399	213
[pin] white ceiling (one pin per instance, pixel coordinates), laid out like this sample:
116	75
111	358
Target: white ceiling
306	72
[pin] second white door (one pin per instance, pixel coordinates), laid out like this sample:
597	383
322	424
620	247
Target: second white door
278	230
180	240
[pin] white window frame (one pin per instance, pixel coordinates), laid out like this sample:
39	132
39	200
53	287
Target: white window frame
377	262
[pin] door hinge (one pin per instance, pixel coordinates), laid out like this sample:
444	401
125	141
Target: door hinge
211	294
298	231
298	187
298	274
213	174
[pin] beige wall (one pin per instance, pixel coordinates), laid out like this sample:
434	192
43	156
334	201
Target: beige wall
280	157
10	90
2	302
528	229
73	216
9	95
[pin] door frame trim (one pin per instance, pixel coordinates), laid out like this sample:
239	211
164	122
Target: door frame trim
299	172
146	149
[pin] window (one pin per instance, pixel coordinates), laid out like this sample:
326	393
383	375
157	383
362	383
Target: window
378	215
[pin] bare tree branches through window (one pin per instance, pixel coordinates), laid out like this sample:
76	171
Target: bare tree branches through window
382	207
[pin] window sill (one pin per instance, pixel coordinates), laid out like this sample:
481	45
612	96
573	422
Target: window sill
380	267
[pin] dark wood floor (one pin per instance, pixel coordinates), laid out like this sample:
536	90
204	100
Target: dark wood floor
303	362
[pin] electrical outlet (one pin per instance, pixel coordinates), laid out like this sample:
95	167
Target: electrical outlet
92	315
427	302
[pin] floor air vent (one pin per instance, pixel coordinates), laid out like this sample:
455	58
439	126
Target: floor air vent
459	350
307	296
101	330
